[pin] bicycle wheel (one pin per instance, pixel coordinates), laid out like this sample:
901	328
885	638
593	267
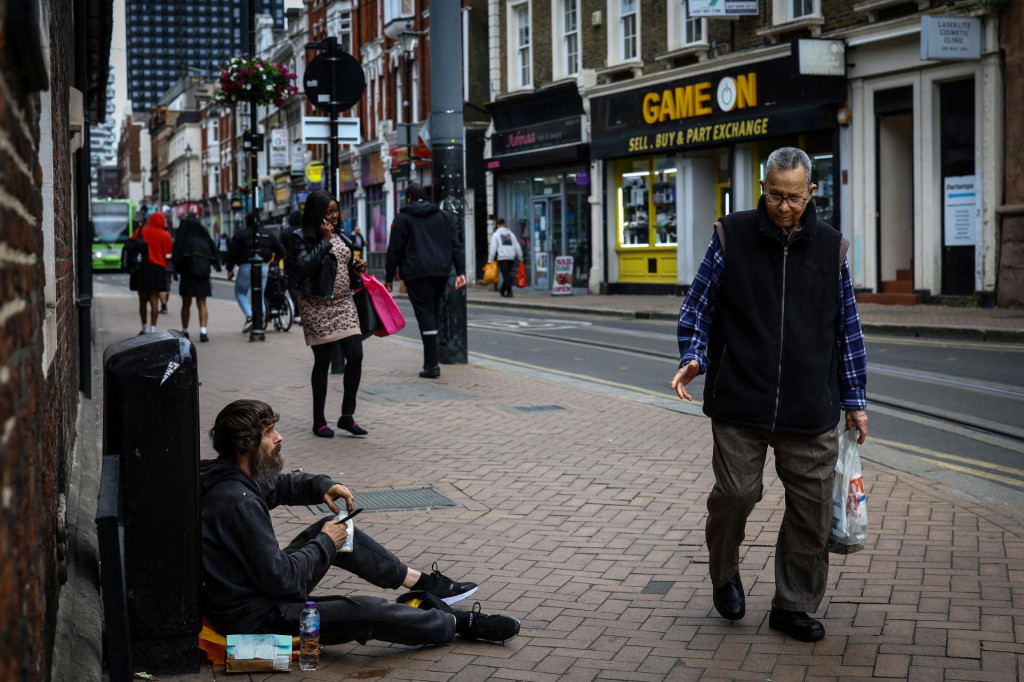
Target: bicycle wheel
287	314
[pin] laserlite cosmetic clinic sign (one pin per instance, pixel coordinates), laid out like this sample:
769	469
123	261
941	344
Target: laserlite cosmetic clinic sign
950	38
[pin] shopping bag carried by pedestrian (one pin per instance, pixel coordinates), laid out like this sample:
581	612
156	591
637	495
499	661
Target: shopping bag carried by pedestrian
521	275
391	319
369	323
849	503
491	272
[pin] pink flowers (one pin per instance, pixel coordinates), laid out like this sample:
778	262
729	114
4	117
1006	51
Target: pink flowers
255	80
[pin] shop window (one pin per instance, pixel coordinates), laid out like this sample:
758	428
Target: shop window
647	201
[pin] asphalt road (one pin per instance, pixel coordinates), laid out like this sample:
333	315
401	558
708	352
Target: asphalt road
950	410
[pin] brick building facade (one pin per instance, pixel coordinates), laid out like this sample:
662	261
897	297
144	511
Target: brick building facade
585	169
41	114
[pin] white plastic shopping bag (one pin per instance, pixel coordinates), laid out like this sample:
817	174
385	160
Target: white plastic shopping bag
849	503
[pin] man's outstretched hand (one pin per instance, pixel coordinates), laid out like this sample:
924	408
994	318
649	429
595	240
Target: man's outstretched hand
339	491
685	375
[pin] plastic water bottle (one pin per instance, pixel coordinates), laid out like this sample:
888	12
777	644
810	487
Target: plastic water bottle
309	637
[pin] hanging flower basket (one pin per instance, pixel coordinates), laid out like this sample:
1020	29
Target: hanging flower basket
254	80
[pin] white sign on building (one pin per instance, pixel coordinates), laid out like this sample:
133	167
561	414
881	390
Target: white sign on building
722	8
950	38
961	214
279	148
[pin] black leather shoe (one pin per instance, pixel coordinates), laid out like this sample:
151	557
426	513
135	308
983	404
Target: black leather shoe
729	599
431	373
795	624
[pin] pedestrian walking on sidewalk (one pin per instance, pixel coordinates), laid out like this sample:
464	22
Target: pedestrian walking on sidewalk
320	256
771	317
423	248
194	256
251	585
505	248
240	251
153	277
287	234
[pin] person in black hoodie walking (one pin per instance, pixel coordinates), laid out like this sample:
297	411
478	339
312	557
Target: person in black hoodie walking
194	255
251	585
423	248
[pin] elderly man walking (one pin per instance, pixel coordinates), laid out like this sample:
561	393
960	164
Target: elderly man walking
771	317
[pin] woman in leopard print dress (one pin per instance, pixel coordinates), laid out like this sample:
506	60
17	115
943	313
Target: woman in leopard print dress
320	257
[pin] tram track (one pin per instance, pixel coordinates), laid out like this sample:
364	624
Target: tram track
1012	437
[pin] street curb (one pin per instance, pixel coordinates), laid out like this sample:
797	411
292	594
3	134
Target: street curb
928	331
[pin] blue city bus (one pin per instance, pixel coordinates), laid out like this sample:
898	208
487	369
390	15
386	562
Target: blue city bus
112	221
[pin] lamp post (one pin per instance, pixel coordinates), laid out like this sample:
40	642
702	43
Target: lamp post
407	44
188	179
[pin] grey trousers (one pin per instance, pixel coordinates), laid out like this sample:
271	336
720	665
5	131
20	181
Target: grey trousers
805	465
362	618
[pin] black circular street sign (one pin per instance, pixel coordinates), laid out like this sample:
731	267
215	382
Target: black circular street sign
340	92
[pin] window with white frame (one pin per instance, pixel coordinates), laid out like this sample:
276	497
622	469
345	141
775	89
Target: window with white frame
684	30
569	25
521	63
628	29
784	11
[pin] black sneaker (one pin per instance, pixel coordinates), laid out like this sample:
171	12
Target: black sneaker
247	326
476	625
163	308
431	373
184	332
203	338
447	589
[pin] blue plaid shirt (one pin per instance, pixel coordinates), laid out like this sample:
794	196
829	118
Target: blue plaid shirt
695	323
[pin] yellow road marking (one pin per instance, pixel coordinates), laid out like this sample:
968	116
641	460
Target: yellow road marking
953	458
973	345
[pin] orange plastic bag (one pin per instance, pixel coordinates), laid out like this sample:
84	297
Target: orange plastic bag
521	275
491	272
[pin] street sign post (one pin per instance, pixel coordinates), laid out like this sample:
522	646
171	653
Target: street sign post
333	82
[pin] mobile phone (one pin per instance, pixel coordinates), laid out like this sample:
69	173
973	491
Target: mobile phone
342	519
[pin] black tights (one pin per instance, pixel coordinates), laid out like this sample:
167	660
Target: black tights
352	348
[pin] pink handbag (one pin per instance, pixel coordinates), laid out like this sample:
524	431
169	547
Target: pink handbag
387	310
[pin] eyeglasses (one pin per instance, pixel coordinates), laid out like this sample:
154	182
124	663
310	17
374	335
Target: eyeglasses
792	202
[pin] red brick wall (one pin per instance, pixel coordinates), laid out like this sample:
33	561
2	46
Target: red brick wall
38	407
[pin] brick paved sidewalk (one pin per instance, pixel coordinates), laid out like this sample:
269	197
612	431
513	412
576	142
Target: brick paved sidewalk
586	522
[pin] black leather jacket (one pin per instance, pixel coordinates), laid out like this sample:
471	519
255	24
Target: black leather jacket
313	264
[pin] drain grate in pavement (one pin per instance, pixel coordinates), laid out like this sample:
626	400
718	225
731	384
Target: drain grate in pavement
394	500
658	587
537	408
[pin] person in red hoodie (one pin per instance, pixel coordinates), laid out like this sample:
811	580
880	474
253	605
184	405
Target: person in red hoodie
153	278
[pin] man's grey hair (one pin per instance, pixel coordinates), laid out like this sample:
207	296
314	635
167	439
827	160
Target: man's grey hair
789	158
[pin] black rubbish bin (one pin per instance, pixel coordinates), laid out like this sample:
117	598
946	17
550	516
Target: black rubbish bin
151	419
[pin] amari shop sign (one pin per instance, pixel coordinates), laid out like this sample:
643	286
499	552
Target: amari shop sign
744	103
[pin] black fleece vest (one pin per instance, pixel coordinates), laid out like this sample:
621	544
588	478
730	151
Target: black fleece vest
772	346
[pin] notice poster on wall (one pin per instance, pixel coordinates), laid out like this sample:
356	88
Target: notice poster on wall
561	285
961	214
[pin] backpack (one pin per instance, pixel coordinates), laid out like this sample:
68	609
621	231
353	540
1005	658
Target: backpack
134	254
198	265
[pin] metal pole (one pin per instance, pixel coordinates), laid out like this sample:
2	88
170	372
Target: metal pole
332	58
446	137
83	211
256	331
